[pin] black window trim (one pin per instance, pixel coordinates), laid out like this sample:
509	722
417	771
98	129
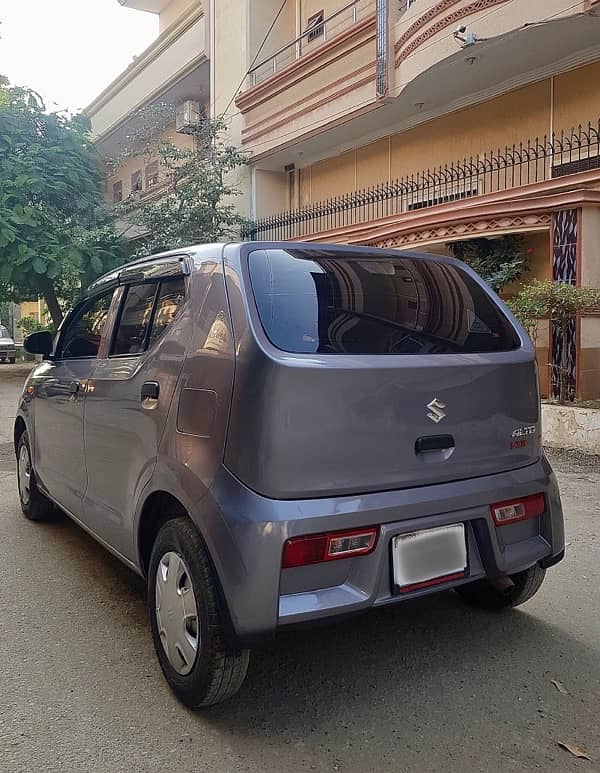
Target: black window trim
159	284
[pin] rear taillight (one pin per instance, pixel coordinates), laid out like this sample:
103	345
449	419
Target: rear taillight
300	551
518	509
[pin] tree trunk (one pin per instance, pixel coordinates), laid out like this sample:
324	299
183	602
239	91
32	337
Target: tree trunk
564	361
51	300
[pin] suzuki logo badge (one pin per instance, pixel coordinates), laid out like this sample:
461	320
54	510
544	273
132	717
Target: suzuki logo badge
436	410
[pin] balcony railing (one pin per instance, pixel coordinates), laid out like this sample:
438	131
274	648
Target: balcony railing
511	167
319	32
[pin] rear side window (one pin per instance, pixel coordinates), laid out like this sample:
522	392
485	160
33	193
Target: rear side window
146	312
320	302
136	315
170	300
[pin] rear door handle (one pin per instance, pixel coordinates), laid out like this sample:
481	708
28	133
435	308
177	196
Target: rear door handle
434	449
430	443
149	395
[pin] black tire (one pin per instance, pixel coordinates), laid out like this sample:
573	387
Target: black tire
218	670
12	360
35	506
484	595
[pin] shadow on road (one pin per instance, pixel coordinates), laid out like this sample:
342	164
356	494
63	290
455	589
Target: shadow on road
416	673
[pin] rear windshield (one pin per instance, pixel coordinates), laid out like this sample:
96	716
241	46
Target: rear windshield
320	302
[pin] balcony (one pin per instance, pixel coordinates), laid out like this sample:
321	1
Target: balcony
327	72
174	67
528	179
428	72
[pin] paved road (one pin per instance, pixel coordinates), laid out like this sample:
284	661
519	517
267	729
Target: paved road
428	686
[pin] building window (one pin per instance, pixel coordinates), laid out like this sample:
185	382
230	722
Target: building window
152	174
117	193
314	26
136	181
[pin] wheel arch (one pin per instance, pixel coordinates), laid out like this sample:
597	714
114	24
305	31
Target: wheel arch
19	428
159	508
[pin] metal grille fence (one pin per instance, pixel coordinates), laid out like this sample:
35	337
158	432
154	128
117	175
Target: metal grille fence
528	162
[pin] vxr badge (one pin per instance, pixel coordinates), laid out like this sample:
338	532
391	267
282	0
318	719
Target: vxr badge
436	410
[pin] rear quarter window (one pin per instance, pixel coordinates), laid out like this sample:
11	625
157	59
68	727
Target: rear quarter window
326	303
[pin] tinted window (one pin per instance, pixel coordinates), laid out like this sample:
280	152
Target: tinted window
136	315
82	336
170	300
319	302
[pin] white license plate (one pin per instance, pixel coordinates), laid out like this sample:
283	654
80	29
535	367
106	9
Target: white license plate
429	557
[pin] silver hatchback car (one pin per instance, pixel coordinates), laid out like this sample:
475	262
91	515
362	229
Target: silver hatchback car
279	434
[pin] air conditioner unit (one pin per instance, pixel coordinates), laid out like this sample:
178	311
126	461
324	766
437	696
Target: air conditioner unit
188	117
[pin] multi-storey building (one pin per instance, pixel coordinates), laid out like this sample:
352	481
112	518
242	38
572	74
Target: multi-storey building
406	123
166	85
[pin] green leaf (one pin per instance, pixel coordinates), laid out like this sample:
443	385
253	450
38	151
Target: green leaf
96	264
53	269
39	265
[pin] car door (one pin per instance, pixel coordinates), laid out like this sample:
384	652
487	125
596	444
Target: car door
59	400
128	400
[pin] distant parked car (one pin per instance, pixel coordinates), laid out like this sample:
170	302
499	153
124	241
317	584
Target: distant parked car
279	434
8	350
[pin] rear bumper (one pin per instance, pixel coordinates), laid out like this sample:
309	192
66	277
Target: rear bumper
262	597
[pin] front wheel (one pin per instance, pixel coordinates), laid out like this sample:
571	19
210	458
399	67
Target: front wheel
188	619
484	595
35	506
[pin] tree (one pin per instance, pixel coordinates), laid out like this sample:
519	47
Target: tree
499	261
195	198
561	304
51	203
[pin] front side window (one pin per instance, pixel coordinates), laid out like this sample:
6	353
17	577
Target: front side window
320	302
84	332
136	315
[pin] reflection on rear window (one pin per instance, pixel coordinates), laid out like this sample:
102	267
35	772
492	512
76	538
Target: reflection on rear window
320	302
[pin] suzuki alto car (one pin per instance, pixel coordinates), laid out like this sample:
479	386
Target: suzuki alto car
280	434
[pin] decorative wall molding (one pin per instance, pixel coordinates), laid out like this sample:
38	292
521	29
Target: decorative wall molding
428	16
466	230
328	93
446	21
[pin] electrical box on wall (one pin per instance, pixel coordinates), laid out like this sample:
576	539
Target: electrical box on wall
188	116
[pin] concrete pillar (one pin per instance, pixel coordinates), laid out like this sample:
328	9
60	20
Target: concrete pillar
589	326
229	60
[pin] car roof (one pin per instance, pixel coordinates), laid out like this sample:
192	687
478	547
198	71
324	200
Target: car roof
199	252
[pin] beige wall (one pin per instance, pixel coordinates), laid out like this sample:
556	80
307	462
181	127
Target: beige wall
136	163
577	96
272	192
172	11
262	13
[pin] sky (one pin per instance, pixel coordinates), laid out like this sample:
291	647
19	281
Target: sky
69	50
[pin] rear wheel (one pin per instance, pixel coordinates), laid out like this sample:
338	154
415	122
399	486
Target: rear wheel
13	360
484	595
35	506
188	619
